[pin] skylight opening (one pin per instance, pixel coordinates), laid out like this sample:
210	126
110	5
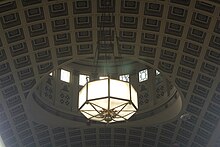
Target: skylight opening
83	79
157	72
65	76
124	78
143	75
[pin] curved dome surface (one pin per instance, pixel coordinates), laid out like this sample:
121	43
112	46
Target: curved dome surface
179	38
158	99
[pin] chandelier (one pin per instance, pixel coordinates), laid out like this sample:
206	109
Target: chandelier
108	100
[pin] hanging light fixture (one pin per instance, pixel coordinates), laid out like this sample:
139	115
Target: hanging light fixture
107	100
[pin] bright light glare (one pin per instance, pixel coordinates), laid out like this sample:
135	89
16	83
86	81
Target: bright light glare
51	74
65	76
1	142
83	80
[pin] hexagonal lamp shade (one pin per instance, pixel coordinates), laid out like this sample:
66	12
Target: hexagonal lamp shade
108	100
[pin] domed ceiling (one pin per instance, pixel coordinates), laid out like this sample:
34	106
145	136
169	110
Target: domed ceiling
178	38
57	99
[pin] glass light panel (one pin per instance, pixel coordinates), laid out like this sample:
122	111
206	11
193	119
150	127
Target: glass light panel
119	119
89	110
82	96
103	103
128	115
129	107
115	103
87	107
124	113
119	108
98	89
88	115
134	97
119	89
97	119
65	76
109	122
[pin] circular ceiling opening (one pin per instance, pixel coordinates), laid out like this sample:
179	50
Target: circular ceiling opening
55	97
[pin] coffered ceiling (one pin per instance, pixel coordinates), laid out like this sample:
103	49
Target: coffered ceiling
179	38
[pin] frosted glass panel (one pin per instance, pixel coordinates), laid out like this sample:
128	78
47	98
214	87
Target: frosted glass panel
98	89
101	102
129	115
86	115
119	119
87	107
115	103
82	96
90	115
109	122
129	107
134	97
97	118
119	89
